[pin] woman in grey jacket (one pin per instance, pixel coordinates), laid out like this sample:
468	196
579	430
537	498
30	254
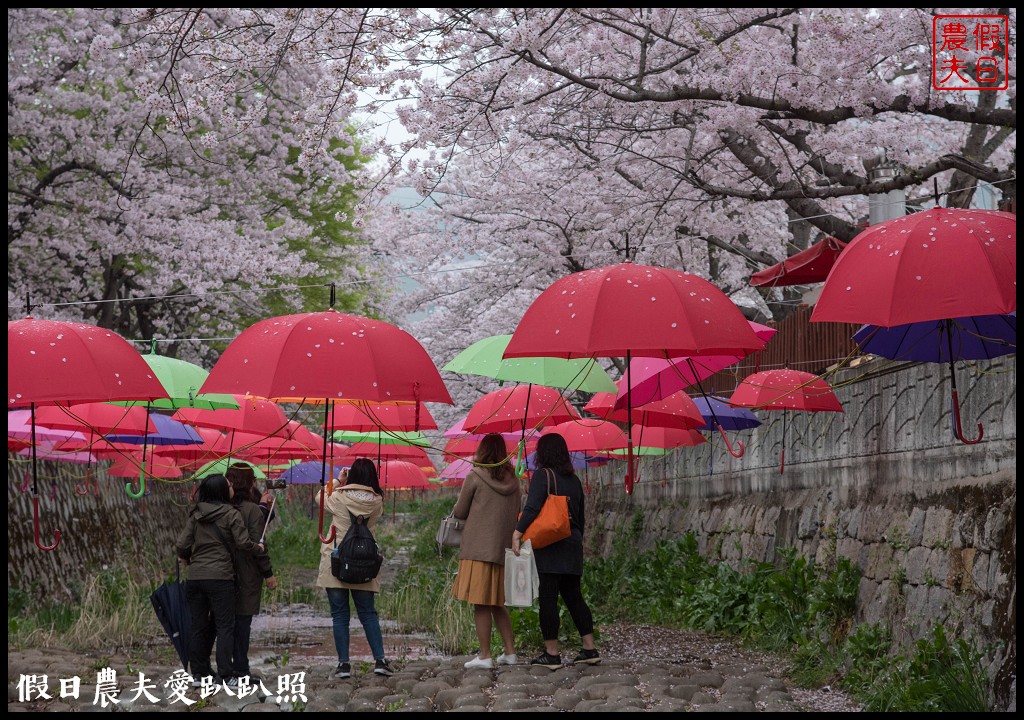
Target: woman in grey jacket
489	503
213	532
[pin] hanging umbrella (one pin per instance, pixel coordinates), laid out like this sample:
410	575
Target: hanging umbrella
253	415
716	411
19	428
51	362
588	435
168	432
656	378
385	452
807	266
309	473
981	337
667	438
519	408
384	437
677	410
484	357
129	465
940	264
467	445
365	416
632	311
97	418
182	381
580	460
171	606
456	470
220	467
785	390
402	475
49	450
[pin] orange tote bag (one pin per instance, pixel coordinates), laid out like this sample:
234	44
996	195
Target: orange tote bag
552	522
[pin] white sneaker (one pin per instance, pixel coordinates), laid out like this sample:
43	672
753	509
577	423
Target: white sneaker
478	662
508	659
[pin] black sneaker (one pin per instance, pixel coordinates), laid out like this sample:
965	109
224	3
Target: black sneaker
590	657
381	667
551	662
344	671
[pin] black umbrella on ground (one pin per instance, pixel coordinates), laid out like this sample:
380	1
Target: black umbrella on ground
171	606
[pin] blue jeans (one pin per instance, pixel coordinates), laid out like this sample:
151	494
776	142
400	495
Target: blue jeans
340	613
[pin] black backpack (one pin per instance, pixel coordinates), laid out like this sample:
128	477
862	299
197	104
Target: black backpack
357	559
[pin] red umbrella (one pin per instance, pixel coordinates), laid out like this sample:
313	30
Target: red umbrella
666	437
327	356
940	264
518	409
253	415
402	475
51	362
676	411
807	266
466	446
591	435
97	419
386	452
785	390
365	416
632	310
129	466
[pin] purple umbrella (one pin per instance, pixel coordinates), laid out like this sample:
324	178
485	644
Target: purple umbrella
731	418
309	473
979	337
168	432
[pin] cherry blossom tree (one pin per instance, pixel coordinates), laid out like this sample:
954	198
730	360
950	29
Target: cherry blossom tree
117	190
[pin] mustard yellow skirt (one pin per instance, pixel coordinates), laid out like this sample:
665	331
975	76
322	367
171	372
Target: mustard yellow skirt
480	583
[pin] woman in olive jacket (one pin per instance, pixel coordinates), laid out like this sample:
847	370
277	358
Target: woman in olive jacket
489	503
213	532
251	569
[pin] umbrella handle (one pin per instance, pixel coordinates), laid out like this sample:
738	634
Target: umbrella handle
320	525
728	443
959	429
35	528
132	492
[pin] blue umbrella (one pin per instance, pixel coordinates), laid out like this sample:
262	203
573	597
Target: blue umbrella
715	409
975	337
979	337
168	432
309	473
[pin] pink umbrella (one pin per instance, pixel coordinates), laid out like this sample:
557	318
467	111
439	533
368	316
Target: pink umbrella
456	470
20	428
589	435
657	378
677	410
45	451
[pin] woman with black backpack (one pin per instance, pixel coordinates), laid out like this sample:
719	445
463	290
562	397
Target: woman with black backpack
359	496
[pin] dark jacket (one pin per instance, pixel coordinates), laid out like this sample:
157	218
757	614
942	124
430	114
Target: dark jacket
564	557
489	508
199	543
251	568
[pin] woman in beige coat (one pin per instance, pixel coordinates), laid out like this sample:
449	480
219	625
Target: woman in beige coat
361	496
489	503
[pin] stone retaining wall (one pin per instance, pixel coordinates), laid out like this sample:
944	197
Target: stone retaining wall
931	522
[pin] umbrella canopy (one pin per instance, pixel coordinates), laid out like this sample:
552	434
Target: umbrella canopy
19	427
458	430
484	357
51	362
193	453
220	467
309	473
327	355
667	438
402	475
716	411
168	432
172	610
631	310
384	437
933	265
785	390
656	378
253	415
182	381
97	418
521	408
129	466
579	460
807	266
467	445
389	452
456	469
366	416
590	435
677	411
48	450
980	337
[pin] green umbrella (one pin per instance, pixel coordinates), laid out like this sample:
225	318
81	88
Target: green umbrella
220	467
640	450
484	358
385	437
182	381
